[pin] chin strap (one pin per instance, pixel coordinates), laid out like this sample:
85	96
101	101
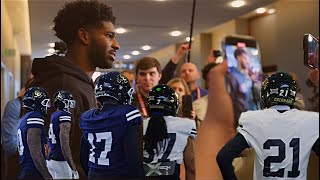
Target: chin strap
75	174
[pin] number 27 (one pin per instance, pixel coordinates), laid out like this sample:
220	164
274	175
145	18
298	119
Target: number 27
102	159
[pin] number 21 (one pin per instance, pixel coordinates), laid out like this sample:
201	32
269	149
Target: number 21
295	144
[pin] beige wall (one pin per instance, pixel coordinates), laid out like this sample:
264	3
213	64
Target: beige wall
280	37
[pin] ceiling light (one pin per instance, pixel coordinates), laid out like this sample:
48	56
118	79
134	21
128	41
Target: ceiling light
51	50
121	30
52	45
126	56
146	47
188	39
131	66
135	53
271	11
175	33
261	10
237	3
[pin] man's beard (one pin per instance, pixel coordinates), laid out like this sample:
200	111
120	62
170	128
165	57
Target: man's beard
98	57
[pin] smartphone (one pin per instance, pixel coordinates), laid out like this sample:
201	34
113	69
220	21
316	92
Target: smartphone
247	43
310	51
186	106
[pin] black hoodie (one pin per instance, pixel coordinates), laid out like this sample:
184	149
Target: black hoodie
55	73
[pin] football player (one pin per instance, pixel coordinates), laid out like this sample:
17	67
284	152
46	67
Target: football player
110	138
282	137
31	135
168	139
60	162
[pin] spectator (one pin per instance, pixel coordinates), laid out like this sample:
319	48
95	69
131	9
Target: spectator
130	76
218	122
87	28
189	72
149	74
180	86
200	105
314	76
244	91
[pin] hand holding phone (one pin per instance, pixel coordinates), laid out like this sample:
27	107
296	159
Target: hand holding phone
311	51
187	106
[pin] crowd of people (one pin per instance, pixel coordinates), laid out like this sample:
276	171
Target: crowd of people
131	125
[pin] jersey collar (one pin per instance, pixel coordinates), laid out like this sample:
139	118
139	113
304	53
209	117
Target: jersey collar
280	107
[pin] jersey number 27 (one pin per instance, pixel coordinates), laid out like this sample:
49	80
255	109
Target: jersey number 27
103	137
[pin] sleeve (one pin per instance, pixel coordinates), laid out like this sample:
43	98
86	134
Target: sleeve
315	147
35	120
133	116
9	124
168	72
228	152
244	127
84	154
193	133
64	117
131	147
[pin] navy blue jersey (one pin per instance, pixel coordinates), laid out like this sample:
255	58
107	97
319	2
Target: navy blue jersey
57	117
31	119
104	132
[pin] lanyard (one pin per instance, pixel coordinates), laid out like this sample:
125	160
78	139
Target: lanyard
198	93
142	104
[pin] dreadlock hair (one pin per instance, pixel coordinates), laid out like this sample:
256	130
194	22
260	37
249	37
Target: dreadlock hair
80	14
156	134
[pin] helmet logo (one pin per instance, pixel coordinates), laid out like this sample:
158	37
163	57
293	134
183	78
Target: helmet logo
37	93
59	95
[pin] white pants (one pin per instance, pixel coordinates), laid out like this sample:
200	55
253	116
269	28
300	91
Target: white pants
59	169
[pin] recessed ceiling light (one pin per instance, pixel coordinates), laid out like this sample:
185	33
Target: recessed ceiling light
261	10
271	11
146	47
175	33
237	3
126	56
52	45
135	53
51	50
188	39
160	0
121	30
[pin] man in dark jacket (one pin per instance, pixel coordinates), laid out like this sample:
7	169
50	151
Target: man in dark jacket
87	28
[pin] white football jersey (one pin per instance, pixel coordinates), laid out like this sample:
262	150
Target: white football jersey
282	141
179	129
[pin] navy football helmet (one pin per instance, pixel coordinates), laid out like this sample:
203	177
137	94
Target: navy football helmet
63	100
278	89
162	99
113	85
36	99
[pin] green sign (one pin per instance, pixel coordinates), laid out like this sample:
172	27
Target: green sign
10	52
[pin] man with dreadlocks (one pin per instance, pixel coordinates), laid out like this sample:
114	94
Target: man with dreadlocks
167	139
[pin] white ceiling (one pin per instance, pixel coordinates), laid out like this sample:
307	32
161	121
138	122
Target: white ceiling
148	21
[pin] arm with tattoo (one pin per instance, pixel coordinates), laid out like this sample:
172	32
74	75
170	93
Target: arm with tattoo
34	143
64	141
189	160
